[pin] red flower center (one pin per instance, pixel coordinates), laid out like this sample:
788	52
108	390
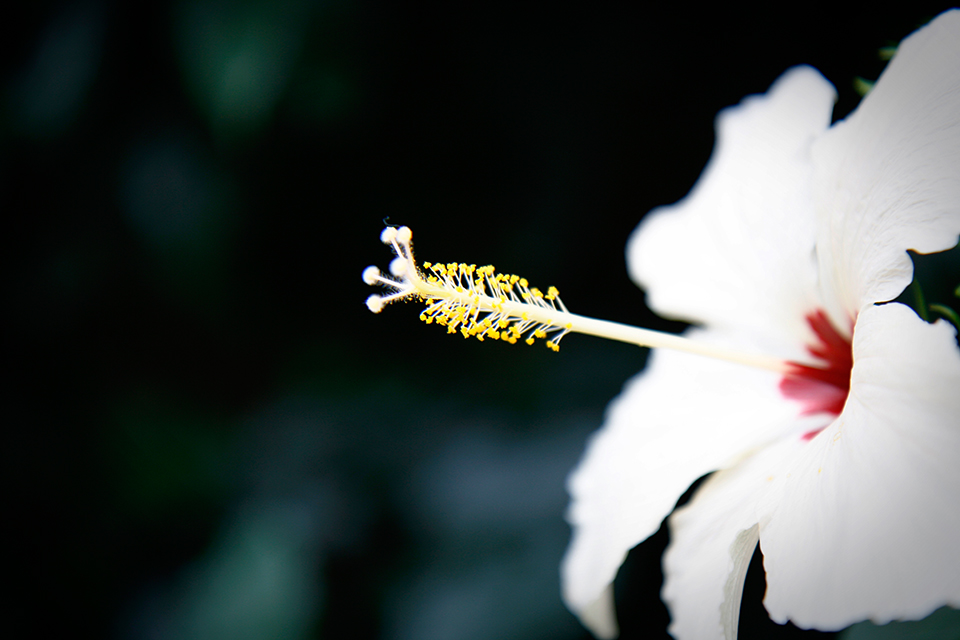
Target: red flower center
824	388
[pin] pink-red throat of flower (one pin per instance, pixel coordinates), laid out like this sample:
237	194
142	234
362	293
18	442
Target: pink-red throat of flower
821	389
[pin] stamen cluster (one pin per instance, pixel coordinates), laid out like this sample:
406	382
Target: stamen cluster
474	301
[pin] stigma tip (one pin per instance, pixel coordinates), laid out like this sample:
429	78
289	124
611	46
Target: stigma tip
375	303
398	266
370	275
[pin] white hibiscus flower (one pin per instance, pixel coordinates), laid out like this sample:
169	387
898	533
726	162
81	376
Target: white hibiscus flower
847	468
838	447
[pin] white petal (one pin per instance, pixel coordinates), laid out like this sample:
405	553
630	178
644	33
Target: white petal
600	616
865	525
888	177
685	416
712	540
737	252
704	596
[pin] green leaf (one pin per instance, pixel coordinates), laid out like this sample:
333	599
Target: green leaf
942	624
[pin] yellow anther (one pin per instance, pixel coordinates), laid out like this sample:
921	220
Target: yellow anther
474	301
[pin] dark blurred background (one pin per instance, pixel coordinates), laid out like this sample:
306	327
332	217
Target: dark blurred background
208	435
